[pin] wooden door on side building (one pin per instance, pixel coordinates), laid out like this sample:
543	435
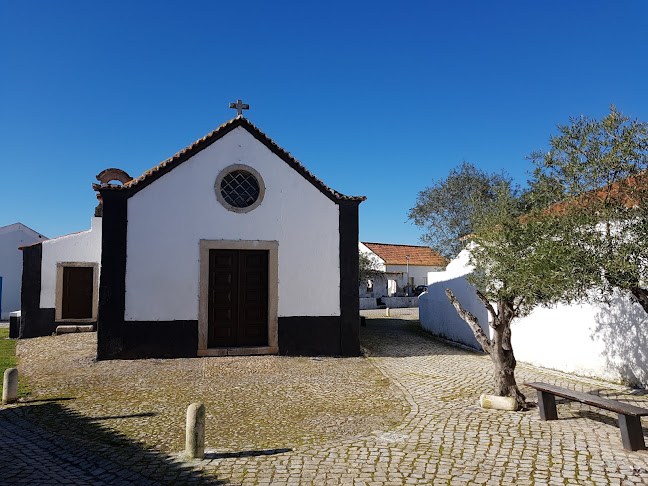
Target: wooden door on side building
78	284
238	298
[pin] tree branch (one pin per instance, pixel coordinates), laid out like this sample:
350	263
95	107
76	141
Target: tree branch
472	322
486	303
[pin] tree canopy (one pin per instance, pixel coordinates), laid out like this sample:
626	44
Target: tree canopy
518	254
595	177
447	209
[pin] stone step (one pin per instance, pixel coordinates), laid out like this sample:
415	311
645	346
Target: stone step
74	328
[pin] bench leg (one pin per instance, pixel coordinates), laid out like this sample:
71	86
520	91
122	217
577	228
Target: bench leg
631	432
547	406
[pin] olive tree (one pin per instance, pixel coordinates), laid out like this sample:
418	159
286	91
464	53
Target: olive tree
516	251
518	254
595	176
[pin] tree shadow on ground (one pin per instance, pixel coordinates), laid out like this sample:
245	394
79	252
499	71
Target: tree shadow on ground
46	443
380	334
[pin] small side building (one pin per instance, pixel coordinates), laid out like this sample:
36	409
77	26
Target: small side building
61	282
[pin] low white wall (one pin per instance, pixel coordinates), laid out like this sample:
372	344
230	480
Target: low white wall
439	317
398	302
368	303
436	313
78	247
594	339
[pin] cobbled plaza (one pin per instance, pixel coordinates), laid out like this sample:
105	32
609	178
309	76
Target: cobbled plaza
435	434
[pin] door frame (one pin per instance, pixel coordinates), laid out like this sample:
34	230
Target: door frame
273	296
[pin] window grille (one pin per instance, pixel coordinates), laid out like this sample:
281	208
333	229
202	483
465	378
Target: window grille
240	188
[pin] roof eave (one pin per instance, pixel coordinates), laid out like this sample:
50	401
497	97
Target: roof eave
154	173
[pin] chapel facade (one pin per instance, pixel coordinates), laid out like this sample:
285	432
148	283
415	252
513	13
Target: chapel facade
230	247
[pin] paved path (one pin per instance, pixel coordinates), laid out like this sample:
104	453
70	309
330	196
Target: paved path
445	438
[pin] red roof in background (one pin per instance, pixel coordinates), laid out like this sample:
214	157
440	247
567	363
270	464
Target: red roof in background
396	254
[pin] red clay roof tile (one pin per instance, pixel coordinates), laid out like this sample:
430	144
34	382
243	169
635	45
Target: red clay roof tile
397	254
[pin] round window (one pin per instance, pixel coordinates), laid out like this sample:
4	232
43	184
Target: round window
239	188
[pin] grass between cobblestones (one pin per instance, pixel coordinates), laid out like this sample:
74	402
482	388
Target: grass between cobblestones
8	359
252	403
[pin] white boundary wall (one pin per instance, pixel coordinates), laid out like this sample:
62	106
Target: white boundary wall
167	220
595	340
436	313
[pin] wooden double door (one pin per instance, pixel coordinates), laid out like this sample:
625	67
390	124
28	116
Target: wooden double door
238	298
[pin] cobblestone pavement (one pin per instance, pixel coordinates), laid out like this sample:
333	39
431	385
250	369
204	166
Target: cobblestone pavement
445	438
34	455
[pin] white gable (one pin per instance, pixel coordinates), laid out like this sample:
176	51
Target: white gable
168	218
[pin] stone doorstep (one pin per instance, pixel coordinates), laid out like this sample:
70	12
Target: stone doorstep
72	328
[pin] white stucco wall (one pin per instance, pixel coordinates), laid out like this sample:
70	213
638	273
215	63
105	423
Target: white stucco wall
438	316
78	247
419	272
11	264
609	342
167	220
592	339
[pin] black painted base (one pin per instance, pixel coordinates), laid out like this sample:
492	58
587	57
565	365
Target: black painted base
37	322
298	336
148	339
14	327
315	336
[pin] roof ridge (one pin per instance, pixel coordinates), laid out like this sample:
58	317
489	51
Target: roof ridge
205	141
396	244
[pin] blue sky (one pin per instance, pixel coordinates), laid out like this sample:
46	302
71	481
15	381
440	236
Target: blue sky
375	98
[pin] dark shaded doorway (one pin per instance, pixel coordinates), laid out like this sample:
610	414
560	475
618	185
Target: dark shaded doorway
78	283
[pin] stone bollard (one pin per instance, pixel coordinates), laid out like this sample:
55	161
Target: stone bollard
498	403
195	435
10	386
387	314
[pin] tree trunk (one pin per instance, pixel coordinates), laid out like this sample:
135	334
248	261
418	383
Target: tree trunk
642	297
502	356
499	347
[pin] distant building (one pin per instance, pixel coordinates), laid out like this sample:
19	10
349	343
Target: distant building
401	264
11	264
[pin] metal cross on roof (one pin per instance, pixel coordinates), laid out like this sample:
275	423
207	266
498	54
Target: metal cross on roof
239	106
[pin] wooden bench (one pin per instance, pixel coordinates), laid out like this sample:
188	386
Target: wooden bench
629	415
